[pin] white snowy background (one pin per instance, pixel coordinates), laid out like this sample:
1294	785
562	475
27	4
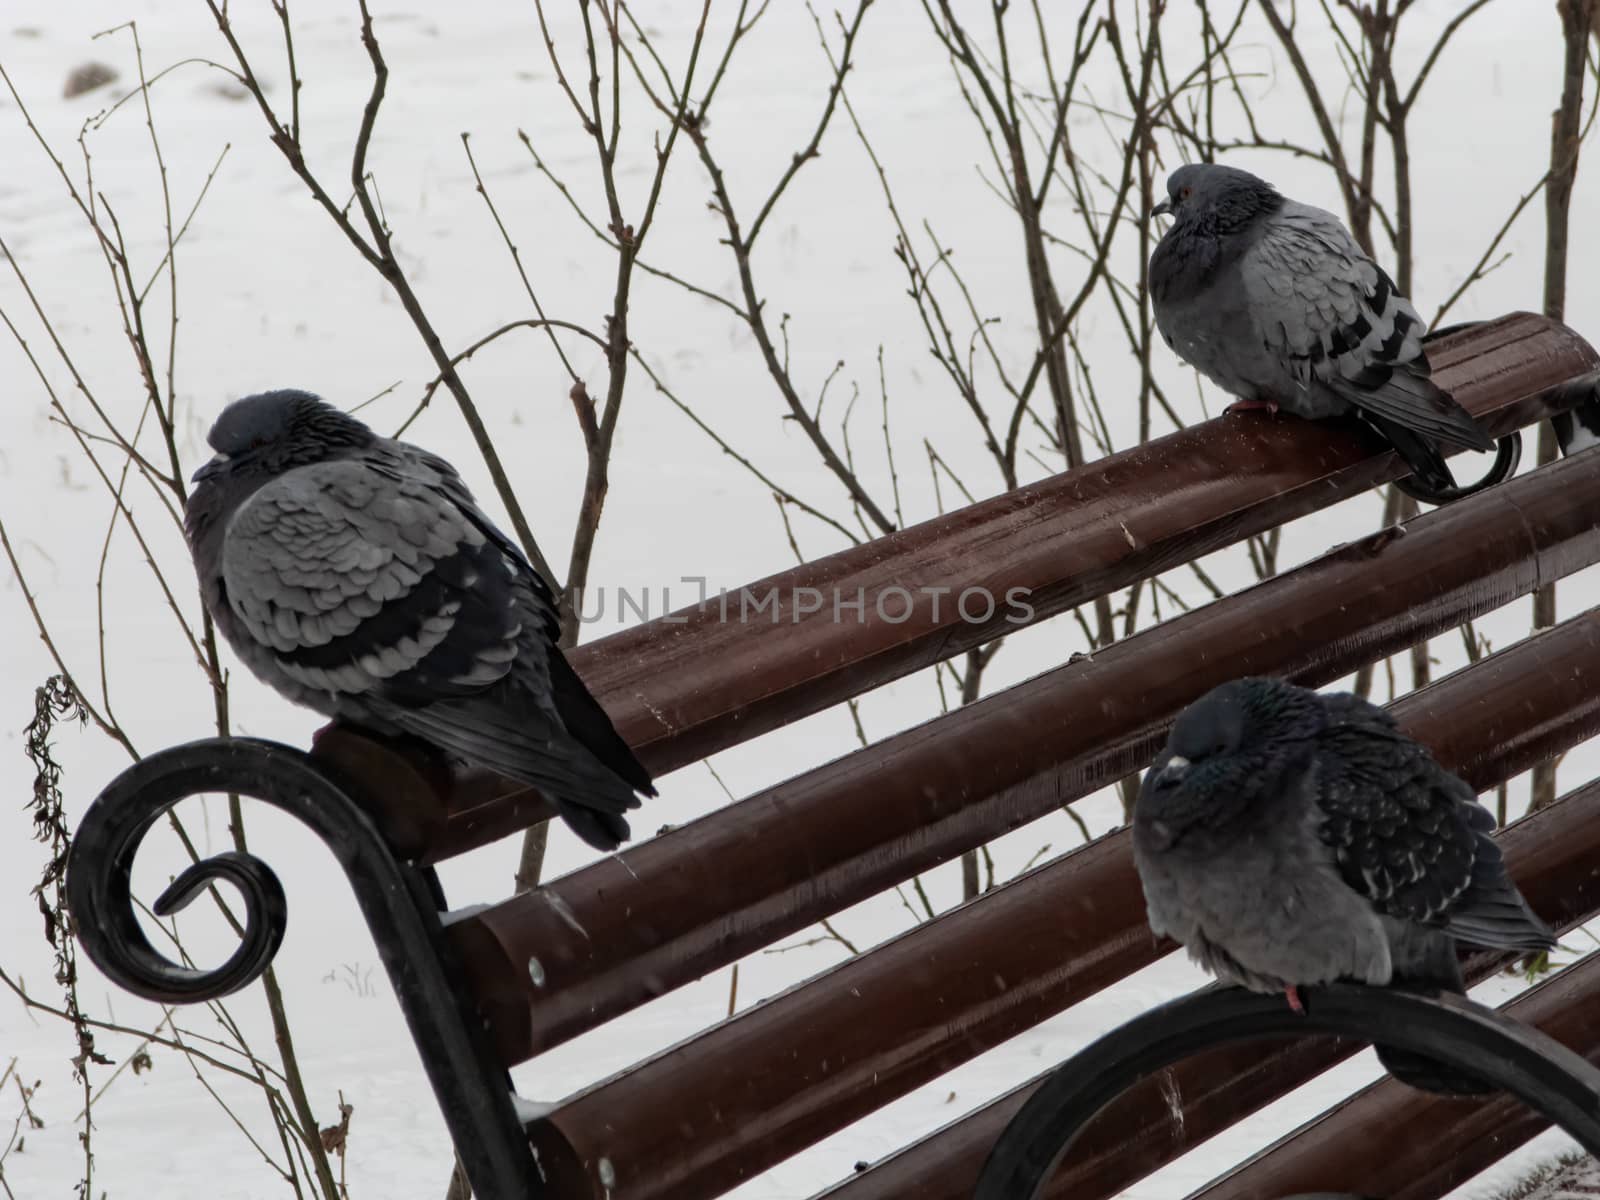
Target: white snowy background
272	295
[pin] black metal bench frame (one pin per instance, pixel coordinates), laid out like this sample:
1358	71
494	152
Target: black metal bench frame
1538	1070
401	902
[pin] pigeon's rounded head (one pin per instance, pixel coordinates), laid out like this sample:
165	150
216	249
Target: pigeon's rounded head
1229	746
273	432
1217	198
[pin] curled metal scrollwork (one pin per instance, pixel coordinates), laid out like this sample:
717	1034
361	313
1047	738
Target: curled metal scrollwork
1507	457
99	869
1538	1070
400	902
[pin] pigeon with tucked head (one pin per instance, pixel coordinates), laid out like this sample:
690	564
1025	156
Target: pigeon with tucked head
356	575
1289	839
1274	302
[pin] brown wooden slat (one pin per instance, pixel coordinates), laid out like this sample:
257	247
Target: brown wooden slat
654	917
683	687
681	692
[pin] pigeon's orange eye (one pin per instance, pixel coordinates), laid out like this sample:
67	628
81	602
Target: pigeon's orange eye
1183	193
257	442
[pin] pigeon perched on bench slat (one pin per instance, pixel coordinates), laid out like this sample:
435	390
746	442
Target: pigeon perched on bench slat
1289	839
1275	302
356	575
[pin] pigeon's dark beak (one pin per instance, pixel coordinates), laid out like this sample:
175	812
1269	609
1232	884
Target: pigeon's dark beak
1164	209
210	470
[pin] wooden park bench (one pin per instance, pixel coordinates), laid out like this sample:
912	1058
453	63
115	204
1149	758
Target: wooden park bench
496	987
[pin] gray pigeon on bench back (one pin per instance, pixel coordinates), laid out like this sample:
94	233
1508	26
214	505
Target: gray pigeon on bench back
356	575
1276	303
1289	839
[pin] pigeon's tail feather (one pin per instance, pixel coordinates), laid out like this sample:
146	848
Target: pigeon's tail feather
1427	464
602	830
1492	913
1426	1075
1434	970
521	743
1416	485
1509	926
1410	399
588	722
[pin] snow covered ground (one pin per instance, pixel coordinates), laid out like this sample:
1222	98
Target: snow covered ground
271	295
1567	1180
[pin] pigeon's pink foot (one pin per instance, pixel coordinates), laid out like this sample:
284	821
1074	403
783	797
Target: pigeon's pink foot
1270	406
1293	994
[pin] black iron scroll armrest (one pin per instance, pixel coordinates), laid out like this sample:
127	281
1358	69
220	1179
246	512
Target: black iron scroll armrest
1535	1068
399	900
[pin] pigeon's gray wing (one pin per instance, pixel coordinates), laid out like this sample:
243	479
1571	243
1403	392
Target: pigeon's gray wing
1335	319
364	581
377	581
1411	837
580	712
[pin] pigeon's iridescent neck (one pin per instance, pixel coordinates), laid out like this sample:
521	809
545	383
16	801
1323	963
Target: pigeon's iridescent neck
1187	259
1239	209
